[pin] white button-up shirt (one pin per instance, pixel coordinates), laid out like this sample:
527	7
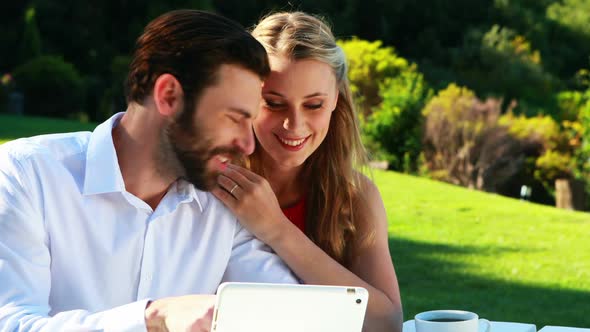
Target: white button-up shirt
77	251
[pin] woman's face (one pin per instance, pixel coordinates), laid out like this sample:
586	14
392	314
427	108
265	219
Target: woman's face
298	99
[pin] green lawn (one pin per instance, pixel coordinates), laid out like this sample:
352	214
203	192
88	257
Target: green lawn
14	126
506	259
452	247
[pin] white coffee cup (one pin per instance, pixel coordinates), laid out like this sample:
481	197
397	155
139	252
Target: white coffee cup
450	321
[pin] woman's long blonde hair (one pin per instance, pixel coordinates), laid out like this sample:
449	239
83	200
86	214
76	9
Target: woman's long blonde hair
333	193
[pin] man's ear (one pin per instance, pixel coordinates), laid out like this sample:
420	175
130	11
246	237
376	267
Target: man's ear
168	95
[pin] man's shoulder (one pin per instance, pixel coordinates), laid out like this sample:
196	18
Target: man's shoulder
48	147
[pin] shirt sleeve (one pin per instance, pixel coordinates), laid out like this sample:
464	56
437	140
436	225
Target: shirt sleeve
25	267
253	261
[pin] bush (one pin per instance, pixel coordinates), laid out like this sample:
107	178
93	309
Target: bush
113	97
552	147
500	62
31	40
582	154
5	88
51	86
456	123
390	93
396	122
553	165
369	65
570	104
541	130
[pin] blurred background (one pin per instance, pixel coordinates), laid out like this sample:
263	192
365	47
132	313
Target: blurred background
487	94
490	95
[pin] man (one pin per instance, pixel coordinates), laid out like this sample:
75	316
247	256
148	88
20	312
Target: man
105	230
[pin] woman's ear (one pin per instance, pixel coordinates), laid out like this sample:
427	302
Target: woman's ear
168	95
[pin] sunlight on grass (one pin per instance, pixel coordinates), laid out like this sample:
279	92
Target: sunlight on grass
482	241
14	126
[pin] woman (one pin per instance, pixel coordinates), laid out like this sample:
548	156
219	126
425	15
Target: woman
304	197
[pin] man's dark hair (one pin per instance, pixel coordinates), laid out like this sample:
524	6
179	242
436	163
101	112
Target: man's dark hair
191	45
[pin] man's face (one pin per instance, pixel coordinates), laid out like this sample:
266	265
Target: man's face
219	130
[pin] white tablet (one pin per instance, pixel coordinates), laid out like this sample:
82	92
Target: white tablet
251	307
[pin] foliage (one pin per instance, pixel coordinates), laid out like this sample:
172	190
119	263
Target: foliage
462	141
370	64
540	129
573	14
6	86
570	103
579	138
113	99
553	165
552	149
31	41
396	122
503	63
51	86
444	37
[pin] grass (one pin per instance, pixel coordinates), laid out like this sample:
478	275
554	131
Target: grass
506	259
14	126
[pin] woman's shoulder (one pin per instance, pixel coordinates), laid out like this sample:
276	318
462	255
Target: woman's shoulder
367	189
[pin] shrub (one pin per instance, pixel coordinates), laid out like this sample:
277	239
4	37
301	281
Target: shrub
369	65
31	40
541	129
455	131
582	153
552	147
396	122
390	93
6	83
515	67
553	165
570	104
501	62
113	97
51	86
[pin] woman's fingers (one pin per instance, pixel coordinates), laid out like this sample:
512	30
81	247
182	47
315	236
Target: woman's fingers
237	177
246	173
225	197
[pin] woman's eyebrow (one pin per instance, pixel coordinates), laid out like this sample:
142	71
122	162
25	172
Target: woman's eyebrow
315	94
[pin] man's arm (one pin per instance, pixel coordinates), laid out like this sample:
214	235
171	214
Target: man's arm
25	259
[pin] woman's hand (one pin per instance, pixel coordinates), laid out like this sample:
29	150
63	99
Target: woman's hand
250	197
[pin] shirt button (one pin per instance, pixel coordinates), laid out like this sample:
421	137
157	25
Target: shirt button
148	277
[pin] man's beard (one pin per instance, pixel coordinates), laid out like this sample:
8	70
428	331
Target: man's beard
185	150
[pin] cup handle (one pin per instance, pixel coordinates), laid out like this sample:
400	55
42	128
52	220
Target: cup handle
487	322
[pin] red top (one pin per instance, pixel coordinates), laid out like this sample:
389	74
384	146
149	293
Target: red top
296	213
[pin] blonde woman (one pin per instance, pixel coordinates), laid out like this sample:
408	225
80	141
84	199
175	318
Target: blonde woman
303	195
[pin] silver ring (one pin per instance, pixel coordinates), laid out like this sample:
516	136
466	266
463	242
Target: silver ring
234	188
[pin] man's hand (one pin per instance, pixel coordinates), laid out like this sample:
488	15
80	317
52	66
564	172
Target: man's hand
192	313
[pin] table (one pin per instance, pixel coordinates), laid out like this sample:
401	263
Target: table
496	326
563	329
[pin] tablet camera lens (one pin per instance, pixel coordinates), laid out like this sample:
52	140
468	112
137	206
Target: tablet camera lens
358	301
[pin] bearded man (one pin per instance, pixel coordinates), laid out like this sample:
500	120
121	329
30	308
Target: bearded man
114	230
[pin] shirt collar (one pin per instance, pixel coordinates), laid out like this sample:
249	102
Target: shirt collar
103	174
188	189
